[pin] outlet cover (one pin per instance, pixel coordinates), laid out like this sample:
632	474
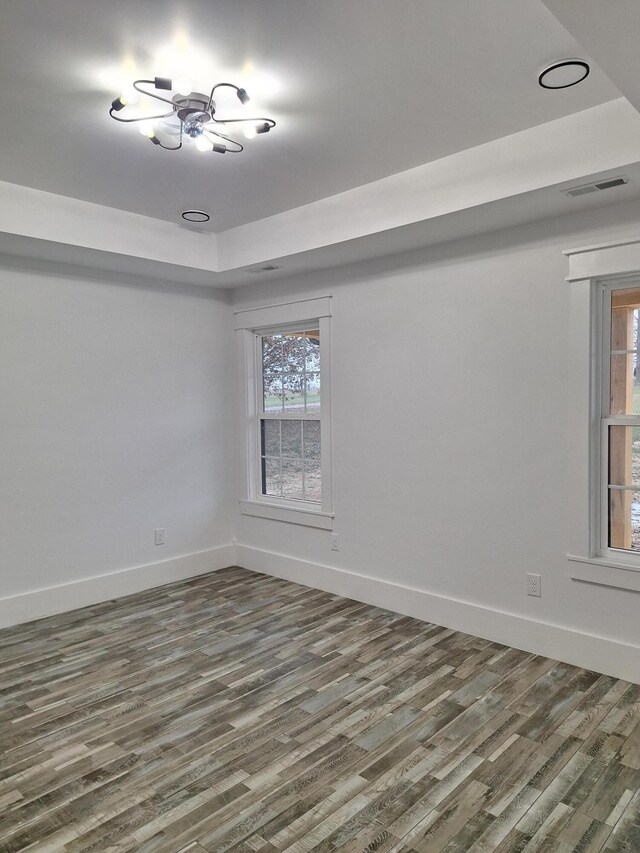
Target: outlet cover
534	585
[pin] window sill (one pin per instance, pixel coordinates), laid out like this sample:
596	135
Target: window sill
292	515
605	572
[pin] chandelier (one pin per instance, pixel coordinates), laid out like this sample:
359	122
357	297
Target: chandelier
191	115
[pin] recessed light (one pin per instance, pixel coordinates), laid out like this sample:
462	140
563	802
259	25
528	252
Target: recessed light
195	215
563	74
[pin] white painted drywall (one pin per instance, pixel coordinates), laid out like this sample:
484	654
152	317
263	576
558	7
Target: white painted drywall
450	426
114	421
450	438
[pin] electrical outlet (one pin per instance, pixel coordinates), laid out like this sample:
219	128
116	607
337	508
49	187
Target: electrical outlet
159	535
534	585
335	545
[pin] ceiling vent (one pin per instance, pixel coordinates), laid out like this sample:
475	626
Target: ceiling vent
599	185
268	268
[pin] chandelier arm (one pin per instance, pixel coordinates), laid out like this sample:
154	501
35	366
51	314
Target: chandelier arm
175	147
268	121
151	94
227	139
167	148
217	86
140	118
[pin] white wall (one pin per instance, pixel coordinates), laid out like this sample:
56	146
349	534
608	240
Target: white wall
114	420
450	440
449	399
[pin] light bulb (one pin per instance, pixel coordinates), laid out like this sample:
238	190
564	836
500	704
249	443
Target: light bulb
183	86
249	131
203	144
130	96
147	129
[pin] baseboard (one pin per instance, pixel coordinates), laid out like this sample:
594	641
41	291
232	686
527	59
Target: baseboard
26	606
590	651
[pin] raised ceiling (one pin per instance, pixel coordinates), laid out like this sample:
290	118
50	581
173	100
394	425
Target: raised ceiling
400	124
361	89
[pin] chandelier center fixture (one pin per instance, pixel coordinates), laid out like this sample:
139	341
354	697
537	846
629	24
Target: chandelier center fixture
191	115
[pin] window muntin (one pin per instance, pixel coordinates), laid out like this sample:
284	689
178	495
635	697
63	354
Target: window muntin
620	433
289	415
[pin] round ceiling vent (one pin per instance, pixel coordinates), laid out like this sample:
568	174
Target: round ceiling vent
195	215
564	73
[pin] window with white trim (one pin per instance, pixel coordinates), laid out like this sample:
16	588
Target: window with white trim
285	353
604	286
619	440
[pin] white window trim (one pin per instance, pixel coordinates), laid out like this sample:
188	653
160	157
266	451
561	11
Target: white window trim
589	268
249	323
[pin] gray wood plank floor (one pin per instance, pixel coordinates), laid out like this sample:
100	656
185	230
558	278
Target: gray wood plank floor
239	712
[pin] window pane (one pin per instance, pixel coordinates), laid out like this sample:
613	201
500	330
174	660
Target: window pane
624	456
312	395
312	364
293	352
311	434
292	438
272	372
272	393
294	392
292	479
624	385
312	480
271	477
270	438
624	519
272	353
294	408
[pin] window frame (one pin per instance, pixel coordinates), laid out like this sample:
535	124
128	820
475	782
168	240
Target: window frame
251	325
261	415
600	442
615	264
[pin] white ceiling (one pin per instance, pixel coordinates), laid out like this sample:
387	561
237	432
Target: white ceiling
360	89
400	124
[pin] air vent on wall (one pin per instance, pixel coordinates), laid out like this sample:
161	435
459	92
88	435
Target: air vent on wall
268	268
608	184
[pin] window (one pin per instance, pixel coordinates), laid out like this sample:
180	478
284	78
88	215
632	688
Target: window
603	414
289	410
620	420
285	368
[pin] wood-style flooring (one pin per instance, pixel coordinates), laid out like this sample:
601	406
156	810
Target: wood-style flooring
240	712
